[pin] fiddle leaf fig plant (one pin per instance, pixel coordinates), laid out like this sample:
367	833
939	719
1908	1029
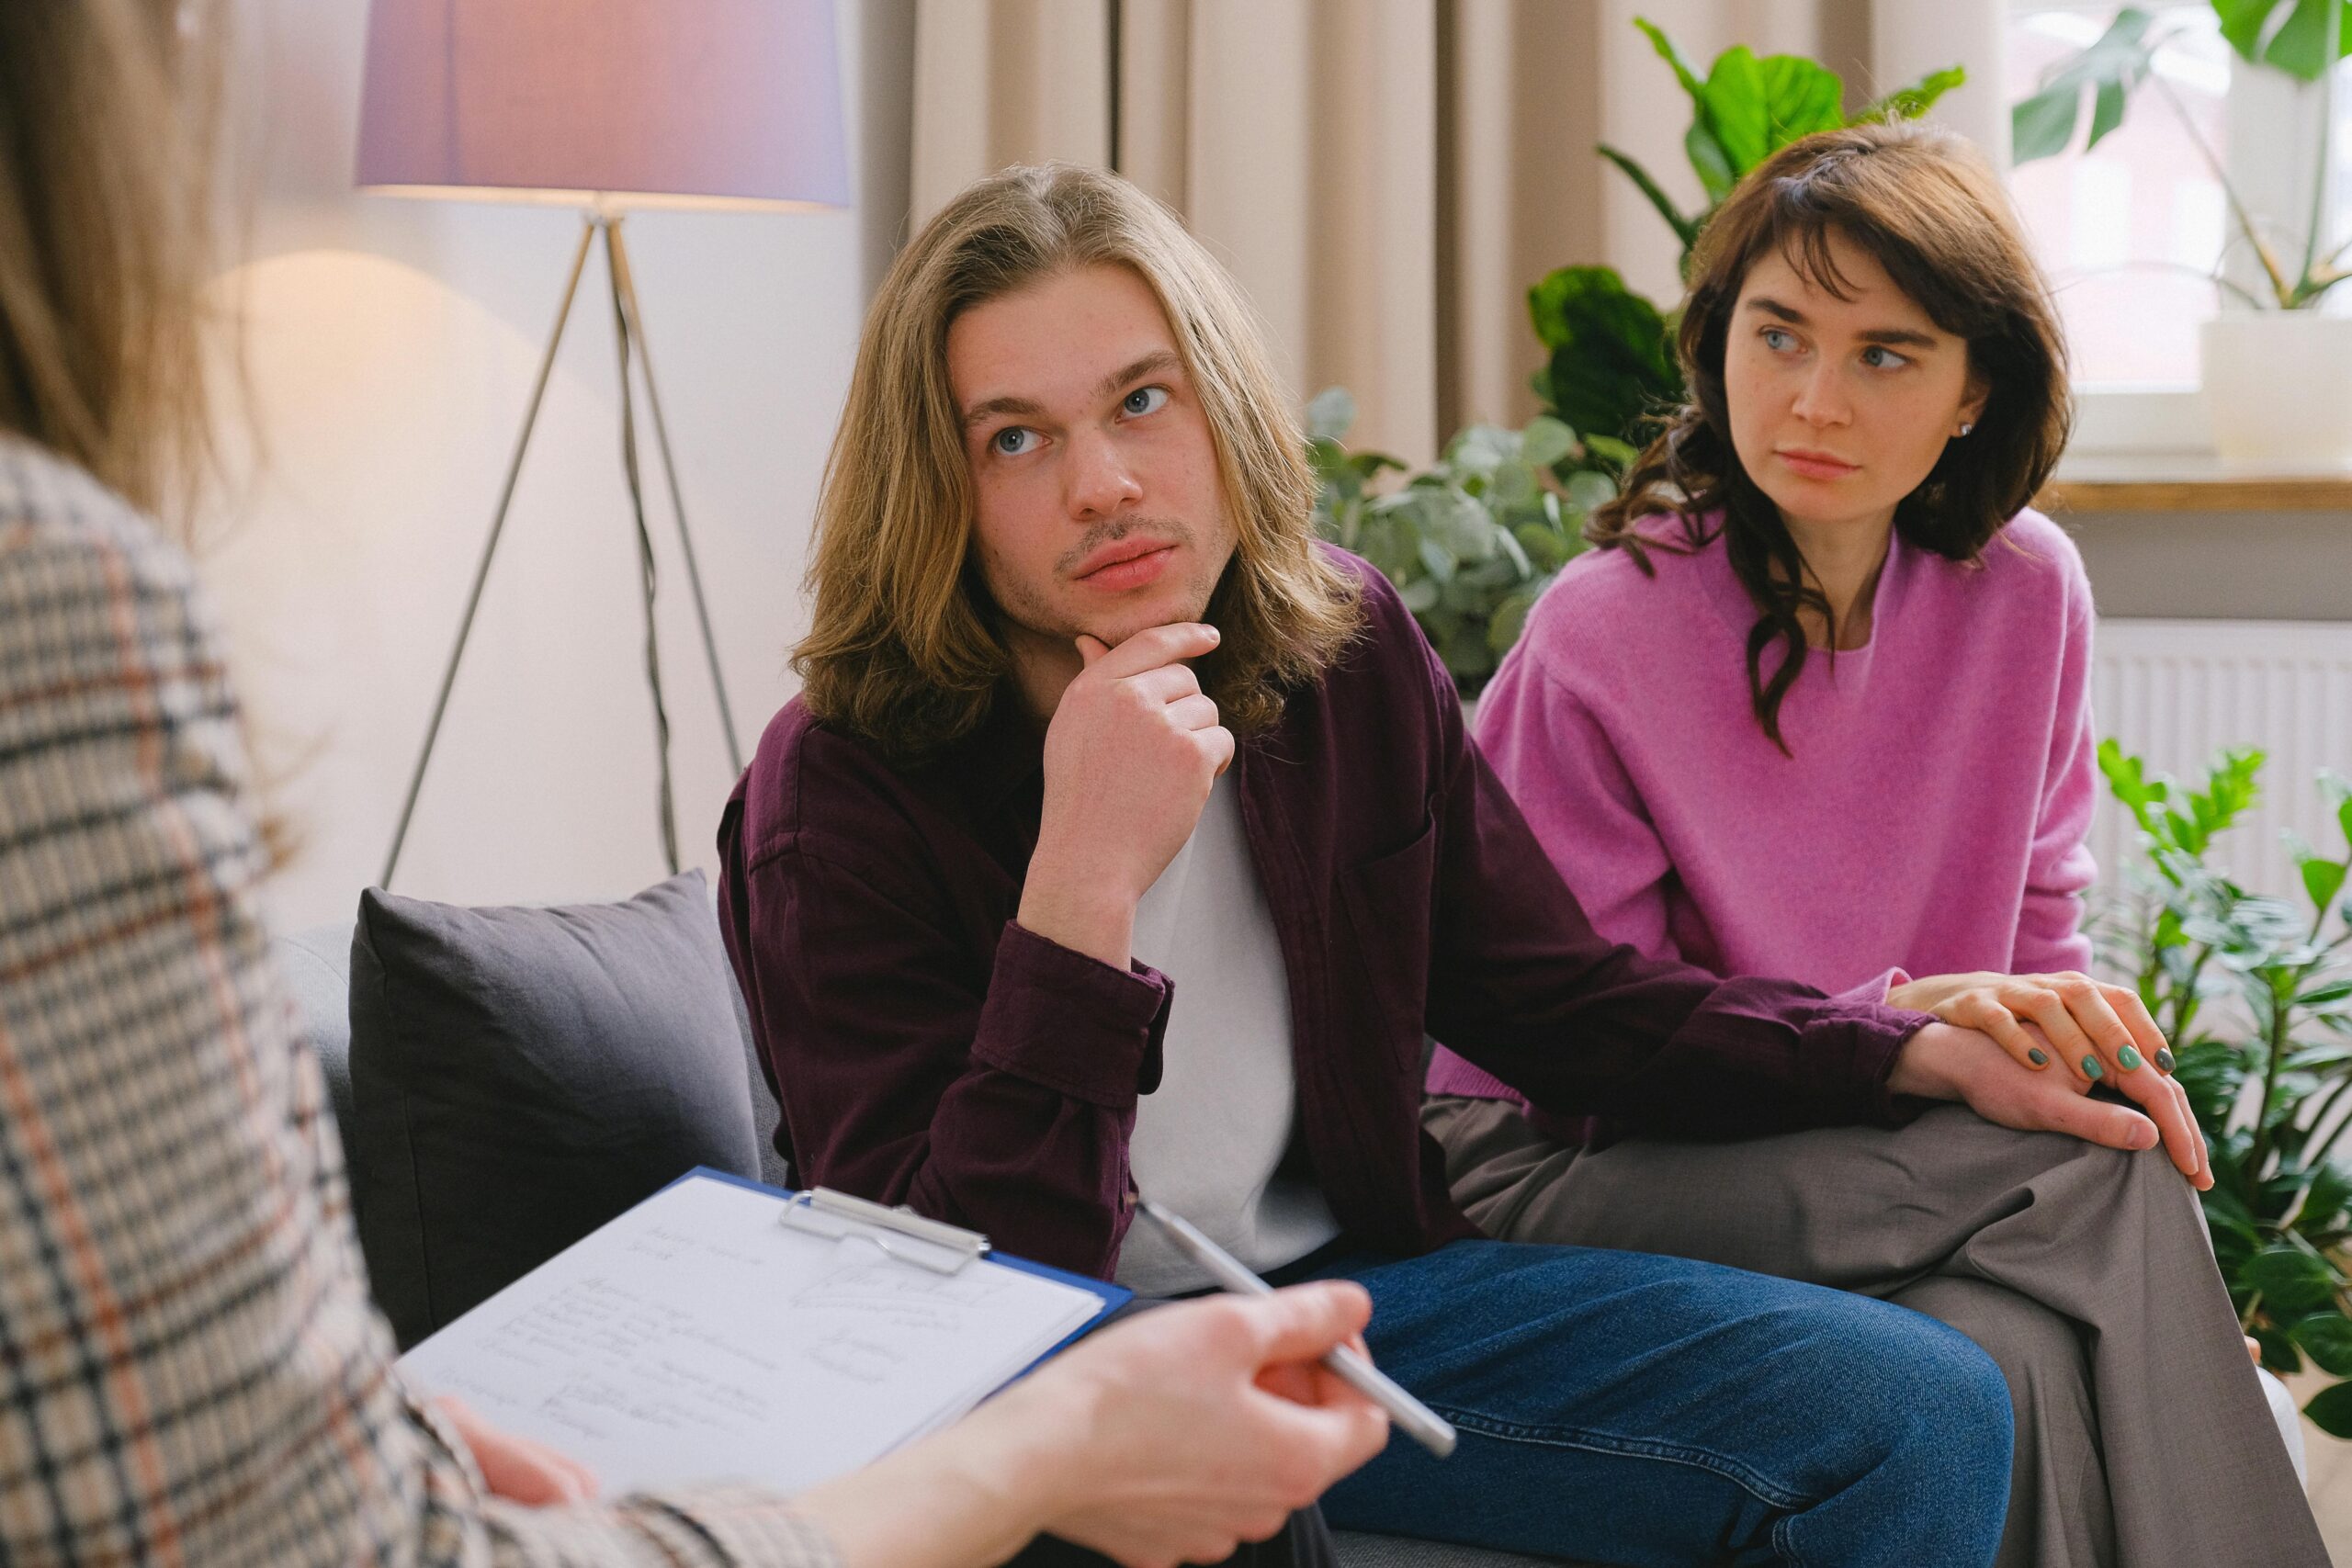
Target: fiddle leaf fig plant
1747	108
1470	541
2270	1078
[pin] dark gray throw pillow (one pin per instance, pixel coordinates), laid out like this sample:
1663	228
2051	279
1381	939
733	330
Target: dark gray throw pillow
520	1076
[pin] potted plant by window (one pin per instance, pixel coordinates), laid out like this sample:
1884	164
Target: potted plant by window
2278	373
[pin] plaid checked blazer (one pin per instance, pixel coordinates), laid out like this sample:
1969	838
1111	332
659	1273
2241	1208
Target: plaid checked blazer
190	1368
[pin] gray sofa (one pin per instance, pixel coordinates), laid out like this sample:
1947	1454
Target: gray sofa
317	965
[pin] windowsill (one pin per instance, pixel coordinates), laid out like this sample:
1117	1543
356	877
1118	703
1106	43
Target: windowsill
2179	481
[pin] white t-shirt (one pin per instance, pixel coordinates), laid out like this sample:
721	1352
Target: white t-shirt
1209	1141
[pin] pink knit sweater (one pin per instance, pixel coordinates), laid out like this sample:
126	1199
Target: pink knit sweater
1932	817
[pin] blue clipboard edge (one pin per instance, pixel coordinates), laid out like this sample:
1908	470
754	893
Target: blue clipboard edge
1112	1297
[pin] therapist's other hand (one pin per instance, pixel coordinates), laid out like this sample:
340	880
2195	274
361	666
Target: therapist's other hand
1943	1060
1192	1428
518	1469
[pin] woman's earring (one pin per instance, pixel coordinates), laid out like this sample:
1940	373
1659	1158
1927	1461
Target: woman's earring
1966	428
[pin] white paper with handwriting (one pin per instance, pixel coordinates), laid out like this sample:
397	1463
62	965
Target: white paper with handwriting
697	1339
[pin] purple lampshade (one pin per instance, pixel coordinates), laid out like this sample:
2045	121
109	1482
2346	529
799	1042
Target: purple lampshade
669	103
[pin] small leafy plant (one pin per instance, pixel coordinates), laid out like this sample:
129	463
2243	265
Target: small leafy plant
2303	39
1611	363
2270	1080
1471	541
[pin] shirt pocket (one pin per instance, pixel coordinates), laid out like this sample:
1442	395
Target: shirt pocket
1389	899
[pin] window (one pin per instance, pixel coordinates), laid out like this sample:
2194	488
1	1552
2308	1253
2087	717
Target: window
2130	232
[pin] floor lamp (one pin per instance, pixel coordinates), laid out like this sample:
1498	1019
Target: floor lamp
603	106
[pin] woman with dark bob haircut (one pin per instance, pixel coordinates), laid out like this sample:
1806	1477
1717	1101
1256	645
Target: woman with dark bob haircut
1817	705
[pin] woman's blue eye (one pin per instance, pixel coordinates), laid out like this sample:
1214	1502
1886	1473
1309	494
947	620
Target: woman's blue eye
1888	359
1778	339
1012	440
1144	400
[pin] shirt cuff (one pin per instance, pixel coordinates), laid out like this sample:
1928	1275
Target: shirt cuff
1073	1023
1867	1039
1873	990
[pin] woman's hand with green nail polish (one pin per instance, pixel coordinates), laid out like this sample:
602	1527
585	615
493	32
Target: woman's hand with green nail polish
2101	1032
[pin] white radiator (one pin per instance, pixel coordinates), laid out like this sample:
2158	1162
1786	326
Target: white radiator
2176	692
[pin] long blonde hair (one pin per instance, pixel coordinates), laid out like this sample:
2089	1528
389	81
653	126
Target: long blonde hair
107	115
902	649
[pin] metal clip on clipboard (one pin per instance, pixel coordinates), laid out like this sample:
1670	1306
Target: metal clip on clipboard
901	1234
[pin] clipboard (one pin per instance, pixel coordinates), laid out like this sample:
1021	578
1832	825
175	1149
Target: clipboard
914	1238
726	1331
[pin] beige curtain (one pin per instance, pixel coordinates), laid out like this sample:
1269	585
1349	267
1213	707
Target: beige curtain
1385	177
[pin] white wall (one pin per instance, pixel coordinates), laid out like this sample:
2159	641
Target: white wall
390	346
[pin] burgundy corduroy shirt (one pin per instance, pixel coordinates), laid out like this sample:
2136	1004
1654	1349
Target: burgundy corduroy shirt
928	1050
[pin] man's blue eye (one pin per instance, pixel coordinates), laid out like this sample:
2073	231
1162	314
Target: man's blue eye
1013	439
1145	399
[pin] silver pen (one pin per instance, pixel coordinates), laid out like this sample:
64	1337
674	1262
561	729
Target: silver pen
1417	1420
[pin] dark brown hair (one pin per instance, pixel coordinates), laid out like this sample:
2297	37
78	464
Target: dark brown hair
904	649
1926	205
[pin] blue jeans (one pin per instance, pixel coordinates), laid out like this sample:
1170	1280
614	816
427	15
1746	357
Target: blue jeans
1636	1409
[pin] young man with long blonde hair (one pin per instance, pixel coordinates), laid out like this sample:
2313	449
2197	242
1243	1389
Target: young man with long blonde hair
1125	840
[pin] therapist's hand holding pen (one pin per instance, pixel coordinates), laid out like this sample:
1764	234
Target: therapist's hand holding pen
1169	1437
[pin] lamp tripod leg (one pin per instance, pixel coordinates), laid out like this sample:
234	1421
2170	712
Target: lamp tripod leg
619	249
490	549
630	351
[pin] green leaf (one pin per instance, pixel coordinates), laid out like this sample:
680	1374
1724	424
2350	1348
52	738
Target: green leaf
1612	361
2278	1352
1683	70
2331	1192
2326	1337
1801	98
2210	1073
1618	454
2292	1281
2331	1410
1710	163
2289	35
1911	102
1545	441
2323	879
2043	125
2107	112
2319	996
1736	109
1330	413
1510	619
2114	64
1589	489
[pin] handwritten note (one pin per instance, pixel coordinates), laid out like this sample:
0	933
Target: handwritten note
697	1338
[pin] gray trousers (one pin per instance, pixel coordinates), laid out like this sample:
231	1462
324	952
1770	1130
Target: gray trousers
2144	1438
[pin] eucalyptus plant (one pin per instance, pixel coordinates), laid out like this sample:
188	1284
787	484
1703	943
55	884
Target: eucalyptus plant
1470	541
1611	357
2301	39
2256	992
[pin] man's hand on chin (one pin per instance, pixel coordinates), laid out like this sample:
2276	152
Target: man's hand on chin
1944	1062
1132	749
